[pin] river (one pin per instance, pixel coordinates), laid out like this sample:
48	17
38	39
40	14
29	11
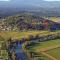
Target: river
17	47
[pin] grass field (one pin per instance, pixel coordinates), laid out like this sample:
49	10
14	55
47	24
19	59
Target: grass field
40	46
55	53
45	44
18	35
42	57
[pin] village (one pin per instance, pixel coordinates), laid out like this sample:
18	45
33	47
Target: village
23	24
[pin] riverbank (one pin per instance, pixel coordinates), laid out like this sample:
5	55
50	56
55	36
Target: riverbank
33	36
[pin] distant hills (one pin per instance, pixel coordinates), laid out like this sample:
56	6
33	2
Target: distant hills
38	7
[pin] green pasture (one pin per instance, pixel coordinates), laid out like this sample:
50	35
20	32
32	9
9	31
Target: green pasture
40	56
55	53
39	45
44	44
18	35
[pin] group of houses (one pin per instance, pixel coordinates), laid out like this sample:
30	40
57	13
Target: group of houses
5	27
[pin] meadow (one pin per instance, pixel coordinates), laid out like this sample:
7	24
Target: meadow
55	53
40	45
49	50
18	34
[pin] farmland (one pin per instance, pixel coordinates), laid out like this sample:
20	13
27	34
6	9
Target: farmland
49	49
18	35
55	53
46	44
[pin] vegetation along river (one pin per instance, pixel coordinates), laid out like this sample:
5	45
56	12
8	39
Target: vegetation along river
17	48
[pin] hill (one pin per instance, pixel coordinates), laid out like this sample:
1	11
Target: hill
28	22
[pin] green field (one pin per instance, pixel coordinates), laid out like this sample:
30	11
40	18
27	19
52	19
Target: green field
45	44
18	35
42	57
55	53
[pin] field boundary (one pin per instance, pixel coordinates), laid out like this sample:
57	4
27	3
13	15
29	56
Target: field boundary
48	55
49	48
